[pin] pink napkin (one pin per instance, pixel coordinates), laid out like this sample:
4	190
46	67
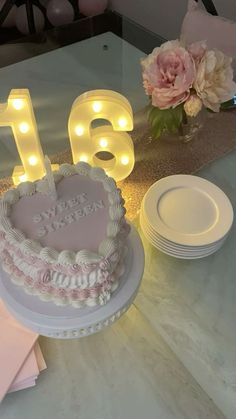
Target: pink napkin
16	343
28	373
39	357
22	386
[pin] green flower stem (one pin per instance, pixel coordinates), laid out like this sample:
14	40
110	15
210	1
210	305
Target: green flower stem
166	120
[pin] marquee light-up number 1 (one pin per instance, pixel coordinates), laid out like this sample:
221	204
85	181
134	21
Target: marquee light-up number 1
87	142
18	113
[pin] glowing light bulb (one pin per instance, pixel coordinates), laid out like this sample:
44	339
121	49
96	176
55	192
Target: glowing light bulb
23	178
32	160
103	142
79	130
124	160
122	122
97	106
24	127
83	158
18	104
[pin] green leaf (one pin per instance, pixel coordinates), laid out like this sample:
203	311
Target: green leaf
165	119
154	114
178	114
157	128
156	133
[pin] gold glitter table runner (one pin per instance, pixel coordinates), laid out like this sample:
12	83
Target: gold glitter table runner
163	157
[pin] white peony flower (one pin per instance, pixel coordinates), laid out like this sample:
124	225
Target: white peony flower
214	79
193	105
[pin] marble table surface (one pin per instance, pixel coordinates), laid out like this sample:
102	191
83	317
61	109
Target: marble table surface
126	371
192	304
173	355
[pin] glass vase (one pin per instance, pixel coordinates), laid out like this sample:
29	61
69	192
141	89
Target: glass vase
191	127
187	130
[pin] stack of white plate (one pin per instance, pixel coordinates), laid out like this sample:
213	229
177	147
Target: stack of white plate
186	216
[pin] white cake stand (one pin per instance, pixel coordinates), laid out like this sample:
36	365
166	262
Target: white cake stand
47	319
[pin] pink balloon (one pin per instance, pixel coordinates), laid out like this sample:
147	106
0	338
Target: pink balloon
60	12
92	7
22	21
9	22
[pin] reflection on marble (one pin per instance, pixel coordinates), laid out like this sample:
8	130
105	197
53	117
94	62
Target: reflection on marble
126	371
192	304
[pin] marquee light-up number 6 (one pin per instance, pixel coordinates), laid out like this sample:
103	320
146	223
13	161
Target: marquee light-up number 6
87	142
18	113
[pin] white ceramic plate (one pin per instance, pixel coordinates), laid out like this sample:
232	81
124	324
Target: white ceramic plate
188	210
175	246
178	252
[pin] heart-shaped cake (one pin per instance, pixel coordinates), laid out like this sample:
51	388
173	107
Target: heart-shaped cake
67	248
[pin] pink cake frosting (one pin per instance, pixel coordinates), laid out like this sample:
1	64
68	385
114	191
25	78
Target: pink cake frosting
68	249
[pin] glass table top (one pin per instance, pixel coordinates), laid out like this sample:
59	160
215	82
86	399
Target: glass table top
57	77
173	355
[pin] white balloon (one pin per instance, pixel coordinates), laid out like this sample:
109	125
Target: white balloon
22	21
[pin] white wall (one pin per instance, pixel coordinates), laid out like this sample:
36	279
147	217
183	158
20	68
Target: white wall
164	17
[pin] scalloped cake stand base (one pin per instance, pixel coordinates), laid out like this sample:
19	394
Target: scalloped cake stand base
47	319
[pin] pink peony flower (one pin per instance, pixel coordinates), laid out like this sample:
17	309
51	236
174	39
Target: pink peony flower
148	87
168	75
